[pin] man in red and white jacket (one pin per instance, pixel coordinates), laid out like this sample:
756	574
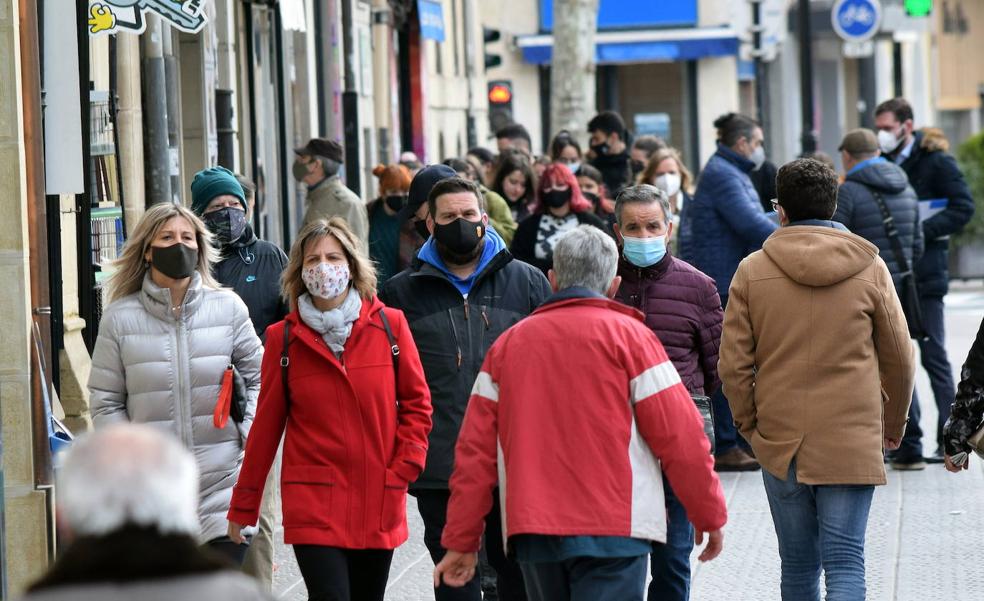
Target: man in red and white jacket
576	415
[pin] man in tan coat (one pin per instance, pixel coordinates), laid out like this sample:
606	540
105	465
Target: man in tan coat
317	166
818	368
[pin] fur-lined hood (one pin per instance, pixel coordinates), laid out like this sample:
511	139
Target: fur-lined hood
933	140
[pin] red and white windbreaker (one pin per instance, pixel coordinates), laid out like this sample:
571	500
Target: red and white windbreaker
576	415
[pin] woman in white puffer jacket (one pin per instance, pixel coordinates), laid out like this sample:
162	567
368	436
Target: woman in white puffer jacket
166	340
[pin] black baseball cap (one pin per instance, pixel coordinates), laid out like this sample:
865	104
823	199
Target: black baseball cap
421	186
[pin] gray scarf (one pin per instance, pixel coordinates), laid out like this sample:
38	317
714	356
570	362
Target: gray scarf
335	326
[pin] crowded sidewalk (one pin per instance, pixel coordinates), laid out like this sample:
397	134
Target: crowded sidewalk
921	523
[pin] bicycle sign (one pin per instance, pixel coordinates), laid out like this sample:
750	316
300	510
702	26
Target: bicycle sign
856	20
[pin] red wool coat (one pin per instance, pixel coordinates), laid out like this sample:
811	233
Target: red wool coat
354	440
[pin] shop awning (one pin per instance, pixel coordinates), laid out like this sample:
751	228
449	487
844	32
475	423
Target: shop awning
642	46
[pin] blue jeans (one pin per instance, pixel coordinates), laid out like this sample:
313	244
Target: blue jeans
671	562
935	360
586	579
725	433
819	527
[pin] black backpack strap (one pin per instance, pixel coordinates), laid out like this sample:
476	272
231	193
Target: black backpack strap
394	347
284	363
893	234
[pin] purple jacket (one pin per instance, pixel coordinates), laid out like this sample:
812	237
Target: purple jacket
683	308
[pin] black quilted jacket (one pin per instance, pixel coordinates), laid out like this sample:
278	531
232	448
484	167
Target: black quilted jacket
968	408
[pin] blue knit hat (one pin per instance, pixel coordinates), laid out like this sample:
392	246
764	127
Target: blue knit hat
212	182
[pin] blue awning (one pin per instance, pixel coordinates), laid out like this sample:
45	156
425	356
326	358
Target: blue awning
643	46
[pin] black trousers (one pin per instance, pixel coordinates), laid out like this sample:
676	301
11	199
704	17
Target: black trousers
333	574
433	508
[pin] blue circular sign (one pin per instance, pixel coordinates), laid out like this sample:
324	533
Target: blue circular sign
856	20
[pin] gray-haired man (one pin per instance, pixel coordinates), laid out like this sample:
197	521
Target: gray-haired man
681	305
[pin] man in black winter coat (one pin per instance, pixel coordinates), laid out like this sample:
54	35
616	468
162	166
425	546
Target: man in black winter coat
462	291
935	176
610	151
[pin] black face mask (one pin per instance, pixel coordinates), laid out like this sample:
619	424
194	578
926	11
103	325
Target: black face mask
637	167
600	149
395	201
226	224
421	226
176	261
557	198
594	198
460	236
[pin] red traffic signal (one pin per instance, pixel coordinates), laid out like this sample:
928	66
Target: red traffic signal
500	93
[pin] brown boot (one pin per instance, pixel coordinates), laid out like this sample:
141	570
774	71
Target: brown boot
735	460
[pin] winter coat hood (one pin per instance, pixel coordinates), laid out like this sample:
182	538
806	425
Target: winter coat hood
932	139
881	175
819	256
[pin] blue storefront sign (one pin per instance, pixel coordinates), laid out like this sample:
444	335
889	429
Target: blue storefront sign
431	20
856	20
633	14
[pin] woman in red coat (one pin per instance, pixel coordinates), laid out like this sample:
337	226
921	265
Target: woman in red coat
357	415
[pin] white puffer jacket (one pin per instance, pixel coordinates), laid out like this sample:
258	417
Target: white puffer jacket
149	367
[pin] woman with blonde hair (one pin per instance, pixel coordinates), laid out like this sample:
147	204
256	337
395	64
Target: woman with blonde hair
343	385
666	171
178	352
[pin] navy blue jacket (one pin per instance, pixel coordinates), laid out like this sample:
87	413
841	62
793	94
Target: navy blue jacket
724	221
933	173
858	210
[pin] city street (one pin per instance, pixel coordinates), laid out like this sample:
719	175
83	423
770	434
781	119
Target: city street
918	545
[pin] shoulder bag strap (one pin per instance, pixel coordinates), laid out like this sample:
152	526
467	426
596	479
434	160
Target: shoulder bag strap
893	234
394	347
284	363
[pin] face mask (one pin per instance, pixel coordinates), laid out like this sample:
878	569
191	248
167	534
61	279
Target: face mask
643	252
421	226
226	224
460	236
600	149
669	183
757	157
176	261
574	167
557	198
395	201
888	141
637	167
326	280
594	198
299	170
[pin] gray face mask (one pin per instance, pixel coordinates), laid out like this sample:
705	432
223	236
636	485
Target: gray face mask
757	157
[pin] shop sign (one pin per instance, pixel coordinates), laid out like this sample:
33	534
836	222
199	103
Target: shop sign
114	16
431	20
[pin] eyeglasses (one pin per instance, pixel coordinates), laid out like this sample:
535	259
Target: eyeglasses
775	204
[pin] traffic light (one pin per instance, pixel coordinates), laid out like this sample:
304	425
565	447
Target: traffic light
491	35
918	8
500	104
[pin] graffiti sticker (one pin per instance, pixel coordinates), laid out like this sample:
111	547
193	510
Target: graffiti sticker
113	16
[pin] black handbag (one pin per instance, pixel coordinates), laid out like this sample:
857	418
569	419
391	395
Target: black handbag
237	409
706	410
908	287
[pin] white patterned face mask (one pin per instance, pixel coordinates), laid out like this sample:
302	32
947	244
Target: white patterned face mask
326	280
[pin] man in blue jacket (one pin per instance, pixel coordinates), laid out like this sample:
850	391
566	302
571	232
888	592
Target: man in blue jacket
935	176
722	225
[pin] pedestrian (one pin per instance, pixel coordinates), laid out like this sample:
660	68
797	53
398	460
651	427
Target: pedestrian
392	241
514	136
247	264
344	388
593	188
609	152
416	210
128	525
409	160
559	208
763	175
968	408
565	150
500	216
461	293
667	172
643	149
540	165
172	343
581	528
251	268
682	307
723	224
515	181
936	179
817	365
316	166
484	162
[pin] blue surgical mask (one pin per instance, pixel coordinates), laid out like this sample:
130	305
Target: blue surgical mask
643	252
574	167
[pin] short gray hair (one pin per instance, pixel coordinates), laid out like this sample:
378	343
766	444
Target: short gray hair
129	475
585	257
642	194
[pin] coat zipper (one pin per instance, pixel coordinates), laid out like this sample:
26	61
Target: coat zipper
485	318
454	333
184	432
